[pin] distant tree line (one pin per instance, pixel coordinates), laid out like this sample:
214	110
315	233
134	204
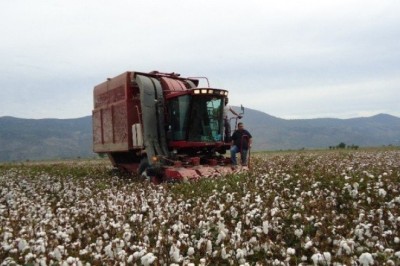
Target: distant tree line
343	145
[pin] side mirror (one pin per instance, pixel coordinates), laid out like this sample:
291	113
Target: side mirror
242	108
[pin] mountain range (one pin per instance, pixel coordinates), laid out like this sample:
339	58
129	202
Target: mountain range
42	139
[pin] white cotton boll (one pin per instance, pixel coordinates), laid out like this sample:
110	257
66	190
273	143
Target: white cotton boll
199	243
317	258
29	257
127	227
253	240
108	251
62	235
234	212
396	240
148	259
380	247
397	254
224	256
23	245
296	216
308	245
390	263
7	247
229	198
127	236
258	199
7	235
366	259
115	225
389	251
174	254
83	252
158	243
274	211
13	251
71	260
382	193
291	251
202	262
215	253
344	246
258	230
42	262
239	254
354	193
327	257
121	255
278	263
209	247
359	233
247	220
56	254
190	251
39	247
137	254
298	232
265	227
183	236
221	236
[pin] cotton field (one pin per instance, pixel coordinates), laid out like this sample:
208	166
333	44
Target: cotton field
300	208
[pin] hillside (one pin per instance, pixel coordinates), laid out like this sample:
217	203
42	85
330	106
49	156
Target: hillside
272	133
38	139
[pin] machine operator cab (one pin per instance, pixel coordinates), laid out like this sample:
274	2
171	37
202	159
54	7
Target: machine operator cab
197	117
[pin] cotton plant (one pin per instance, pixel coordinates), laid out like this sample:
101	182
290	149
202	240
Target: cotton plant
304	208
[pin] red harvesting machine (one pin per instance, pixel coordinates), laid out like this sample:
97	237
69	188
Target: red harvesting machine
161	125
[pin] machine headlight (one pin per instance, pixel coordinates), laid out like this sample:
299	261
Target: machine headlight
204	91
196	91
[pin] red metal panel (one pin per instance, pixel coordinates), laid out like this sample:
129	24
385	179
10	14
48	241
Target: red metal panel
181	174
115	113
107	125
120	132
172	85
206	171
97	130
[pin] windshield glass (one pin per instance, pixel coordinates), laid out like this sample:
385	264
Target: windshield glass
205	119
179	113
198	116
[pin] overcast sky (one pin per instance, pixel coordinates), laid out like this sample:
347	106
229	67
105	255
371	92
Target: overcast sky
287	58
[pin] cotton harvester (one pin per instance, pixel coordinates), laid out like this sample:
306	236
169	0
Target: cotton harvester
161	125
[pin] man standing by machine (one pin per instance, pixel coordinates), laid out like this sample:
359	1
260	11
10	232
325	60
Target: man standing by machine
241	142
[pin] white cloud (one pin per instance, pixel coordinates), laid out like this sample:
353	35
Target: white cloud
281	57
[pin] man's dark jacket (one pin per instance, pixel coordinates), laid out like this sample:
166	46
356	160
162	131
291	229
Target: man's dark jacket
240	141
